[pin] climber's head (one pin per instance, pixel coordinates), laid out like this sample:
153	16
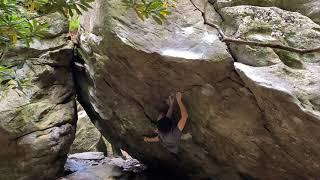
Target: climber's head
165	125
163	108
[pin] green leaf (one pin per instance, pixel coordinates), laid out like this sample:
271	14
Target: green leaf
78	10
86	4
157	19
139	14
70	11
155	5
162	17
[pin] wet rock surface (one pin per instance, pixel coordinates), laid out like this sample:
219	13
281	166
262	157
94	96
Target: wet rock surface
80	161
94	165
99	172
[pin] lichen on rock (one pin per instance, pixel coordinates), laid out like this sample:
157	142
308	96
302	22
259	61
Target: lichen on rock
309	8
253	111
272	25
37	122
237	131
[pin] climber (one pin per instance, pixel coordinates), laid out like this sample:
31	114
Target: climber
169	132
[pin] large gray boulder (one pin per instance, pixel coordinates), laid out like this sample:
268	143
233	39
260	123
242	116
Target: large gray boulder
132	65
240	128
37	123
289	99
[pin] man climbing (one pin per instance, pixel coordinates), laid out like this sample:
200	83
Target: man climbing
169	132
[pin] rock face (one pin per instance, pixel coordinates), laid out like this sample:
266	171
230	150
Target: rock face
271	25
37	124
310	8
88	138
246	121
81	161
107	172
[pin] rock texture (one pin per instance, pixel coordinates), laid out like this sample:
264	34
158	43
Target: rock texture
100	172
95	166
88	138
246	122
37	124
80	161
287	97
271	25
310	8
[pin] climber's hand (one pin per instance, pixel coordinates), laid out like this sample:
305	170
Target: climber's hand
178	96
171	100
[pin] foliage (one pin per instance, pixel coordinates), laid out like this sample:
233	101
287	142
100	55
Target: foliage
67	7
17	17
74	23
157	9
15	25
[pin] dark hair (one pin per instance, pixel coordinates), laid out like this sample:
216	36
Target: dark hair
163	107
165	125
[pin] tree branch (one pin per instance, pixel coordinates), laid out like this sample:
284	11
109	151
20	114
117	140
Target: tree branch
271	45
227	39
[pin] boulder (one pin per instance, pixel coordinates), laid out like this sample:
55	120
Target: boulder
105	172
37	121
241	126
271	25
80	161
289	99
309	8
95	166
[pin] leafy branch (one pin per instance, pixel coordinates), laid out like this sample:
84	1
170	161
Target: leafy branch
67	7
17	17
157	9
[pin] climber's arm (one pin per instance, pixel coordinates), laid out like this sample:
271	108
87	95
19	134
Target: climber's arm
183	111
153	139
170	110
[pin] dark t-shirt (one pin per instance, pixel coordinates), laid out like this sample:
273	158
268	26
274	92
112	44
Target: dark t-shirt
171	140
